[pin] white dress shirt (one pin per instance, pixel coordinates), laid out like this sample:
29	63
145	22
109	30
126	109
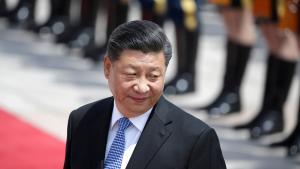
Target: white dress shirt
132	133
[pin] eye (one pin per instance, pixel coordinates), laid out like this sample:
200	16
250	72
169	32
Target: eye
130	74
153	77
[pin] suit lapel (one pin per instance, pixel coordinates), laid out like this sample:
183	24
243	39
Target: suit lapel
155	133
98	132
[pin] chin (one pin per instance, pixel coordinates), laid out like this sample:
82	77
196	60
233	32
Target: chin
138	110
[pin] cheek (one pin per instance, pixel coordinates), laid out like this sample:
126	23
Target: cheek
126	84
123	87
116	86
157	87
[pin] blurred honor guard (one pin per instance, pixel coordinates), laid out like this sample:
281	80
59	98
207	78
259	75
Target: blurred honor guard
184	14
278	21
289	24
240	29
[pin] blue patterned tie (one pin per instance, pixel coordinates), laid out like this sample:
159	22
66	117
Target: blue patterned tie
116	151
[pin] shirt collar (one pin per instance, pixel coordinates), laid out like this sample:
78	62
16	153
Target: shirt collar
139	121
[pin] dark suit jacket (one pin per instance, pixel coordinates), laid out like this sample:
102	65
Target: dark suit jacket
171	139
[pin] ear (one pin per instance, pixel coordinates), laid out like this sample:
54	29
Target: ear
107	66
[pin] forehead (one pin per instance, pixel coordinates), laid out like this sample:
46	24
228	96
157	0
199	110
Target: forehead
133	57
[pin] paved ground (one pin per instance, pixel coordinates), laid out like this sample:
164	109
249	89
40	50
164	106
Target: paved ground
41	82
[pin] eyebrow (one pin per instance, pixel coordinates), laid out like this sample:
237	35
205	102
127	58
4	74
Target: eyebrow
131	66
137	67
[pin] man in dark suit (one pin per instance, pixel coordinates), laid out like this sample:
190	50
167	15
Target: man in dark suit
137	128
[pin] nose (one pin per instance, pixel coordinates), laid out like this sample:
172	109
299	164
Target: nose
141	86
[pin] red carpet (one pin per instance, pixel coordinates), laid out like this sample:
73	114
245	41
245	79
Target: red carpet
24	147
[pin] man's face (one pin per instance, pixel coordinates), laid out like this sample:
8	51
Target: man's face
136	80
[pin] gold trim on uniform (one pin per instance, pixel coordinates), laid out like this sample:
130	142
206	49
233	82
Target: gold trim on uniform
189	8
160	7
247	4
281	8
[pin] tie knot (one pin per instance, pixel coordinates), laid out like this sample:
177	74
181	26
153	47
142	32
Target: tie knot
124	123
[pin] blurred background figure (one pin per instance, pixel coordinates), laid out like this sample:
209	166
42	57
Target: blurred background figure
3	9
77	32
117	13
278	21
289	32
21	14
185	16
292	142
241	37
58	16
71	22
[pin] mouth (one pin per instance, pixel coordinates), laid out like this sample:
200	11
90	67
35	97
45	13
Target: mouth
138	99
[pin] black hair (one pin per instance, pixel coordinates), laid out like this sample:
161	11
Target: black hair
141	35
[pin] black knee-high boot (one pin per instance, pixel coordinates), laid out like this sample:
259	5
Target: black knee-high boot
149	12
65	28
23	15
117	14
292	142
229	99
3	10
58	20
278	81
81	34
85	37
187	45
59	9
